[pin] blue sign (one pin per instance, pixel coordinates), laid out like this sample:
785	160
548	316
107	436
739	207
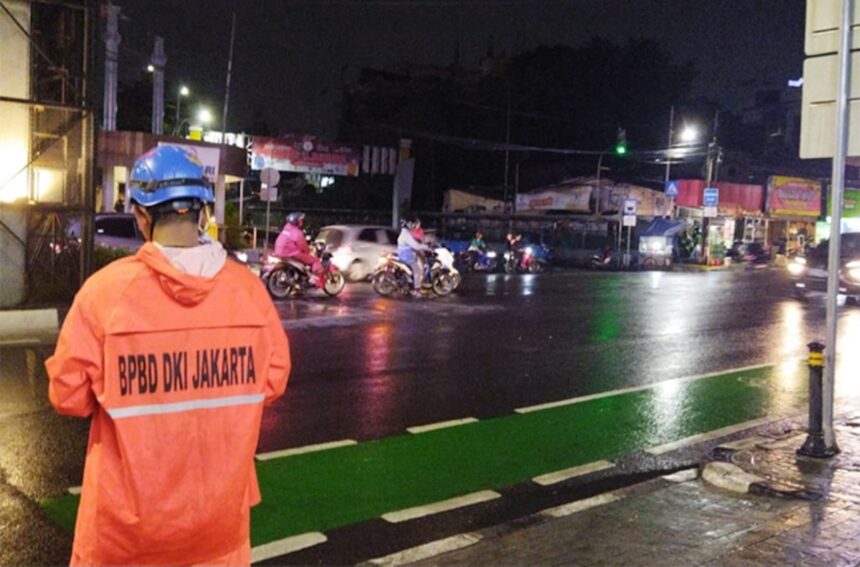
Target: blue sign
711	197
671	189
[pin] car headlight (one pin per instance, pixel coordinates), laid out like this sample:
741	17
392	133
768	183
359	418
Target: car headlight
797	266
852	270
491	254
530	251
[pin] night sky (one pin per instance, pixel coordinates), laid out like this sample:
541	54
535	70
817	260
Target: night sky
292	57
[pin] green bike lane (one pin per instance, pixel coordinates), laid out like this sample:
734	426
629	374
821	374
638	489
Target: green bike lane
324	490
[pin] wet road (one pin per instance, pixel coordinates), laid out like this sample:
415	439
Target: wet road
369	368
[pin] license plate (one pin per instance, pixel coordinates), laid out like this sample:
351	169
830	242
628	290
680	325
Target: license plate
817	273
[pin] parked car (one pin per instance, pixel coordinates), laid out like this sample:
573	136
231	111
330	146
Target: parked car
356	249
809	272
112	230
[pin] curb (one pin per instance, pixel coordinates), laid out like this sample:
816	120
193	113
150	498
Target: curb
723	474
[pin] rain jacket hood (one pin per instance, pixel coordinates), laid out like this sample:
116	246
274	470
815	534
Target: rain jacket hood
176	269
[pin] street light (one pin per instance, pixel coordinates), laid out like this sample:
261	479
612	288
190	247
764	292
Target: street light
150	68
689	134
204	116
183	91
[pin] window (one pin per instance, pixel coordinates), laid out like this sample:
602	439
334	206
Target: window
331	237
121	227
367	235
391	236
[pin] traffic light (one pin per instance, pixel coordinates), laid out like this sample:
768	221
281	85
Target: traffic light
621	142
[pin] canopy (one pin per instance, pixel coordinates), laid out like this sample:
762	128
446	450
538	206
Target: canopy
664	227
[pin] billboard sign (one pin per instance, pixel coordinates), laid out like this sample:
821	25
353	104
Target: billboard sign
793	196
554	200
304	154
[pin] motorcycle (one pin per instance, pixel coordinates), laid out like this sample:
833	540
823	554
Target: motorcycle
443	262
522	260
286	277
393	275
472	260
604	260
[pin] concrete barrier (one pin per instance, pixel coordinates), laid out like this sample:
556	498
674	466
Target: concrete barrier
29	327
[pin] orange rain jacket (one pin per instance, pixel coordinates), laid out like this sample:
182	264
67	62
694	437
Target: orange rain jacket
175	370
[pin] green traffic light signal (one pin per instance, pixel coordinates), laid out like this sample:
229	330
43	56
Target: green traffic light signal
621	142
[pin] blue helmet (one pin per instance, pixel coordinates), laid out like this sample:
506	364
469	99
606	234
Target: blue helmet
168	173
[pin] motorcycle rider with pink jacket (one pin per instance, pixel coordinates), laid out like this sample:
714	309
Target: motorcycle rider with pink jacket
291	243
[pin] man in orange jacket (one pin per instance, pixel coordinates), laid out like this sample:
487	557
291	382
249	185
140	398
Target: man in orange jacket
173	352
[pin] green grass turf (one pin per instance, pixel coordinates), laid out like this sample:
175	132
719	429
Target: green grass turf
327	489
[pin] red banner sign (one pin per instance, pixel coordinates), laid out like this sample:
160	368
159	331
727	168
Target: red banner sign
793	196
304	154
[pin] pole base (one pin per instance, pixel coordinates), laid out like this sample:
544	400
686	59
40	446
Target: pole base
815	447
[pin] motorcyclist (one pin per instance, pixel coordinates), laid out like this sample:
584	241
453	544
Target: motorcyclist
291	243
477	246
408	249
512	239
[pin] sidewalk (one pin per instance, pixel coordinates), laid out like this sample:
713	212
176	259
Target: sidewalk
757	504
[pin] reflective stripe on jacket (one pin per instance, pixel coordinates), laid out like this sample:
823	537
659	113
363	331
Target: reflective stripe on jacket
174	370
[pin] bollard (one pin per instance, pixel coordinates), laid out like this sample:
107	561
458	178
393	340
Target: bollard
815	444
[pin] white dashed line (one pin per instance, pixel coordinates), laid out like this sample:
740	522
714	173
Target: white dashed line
702	437
571	401
566	474
440	425
305	449
442	506
287	545
426	551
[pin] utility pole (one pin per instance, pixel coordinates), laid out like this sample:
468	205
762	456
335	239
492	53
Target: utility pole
112	41
227	88
158	61
669	145
714	156
507	144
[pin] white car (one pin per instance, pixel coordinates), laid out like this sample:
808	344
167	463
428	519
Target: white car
356	249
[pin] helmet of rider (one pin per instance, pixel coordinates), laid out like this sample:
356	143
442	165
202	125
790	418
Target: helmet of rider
169	177
412	223
296	218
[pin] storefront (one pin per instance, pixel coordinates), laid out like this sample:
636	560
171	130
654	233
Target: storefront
793	206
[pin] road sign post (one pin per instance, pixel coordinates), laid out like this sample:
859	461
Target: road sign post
629	220
269	178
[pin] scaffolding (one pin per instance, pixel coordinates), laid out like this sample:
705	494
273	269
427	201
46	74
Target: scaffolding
46	180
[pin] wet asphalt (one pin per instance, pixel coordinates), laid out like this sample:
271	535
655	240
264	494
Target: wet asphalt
367	367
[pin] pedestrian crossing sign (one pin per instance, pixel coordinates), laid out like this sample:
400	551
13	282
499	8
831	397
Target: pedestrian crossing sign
671	189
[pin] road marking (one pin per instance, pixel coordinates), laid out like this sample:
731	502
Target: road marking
685	475
565	474
581	505
305	449
287	545
440	425
426	551
441	506
579	400
702	437
75	490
